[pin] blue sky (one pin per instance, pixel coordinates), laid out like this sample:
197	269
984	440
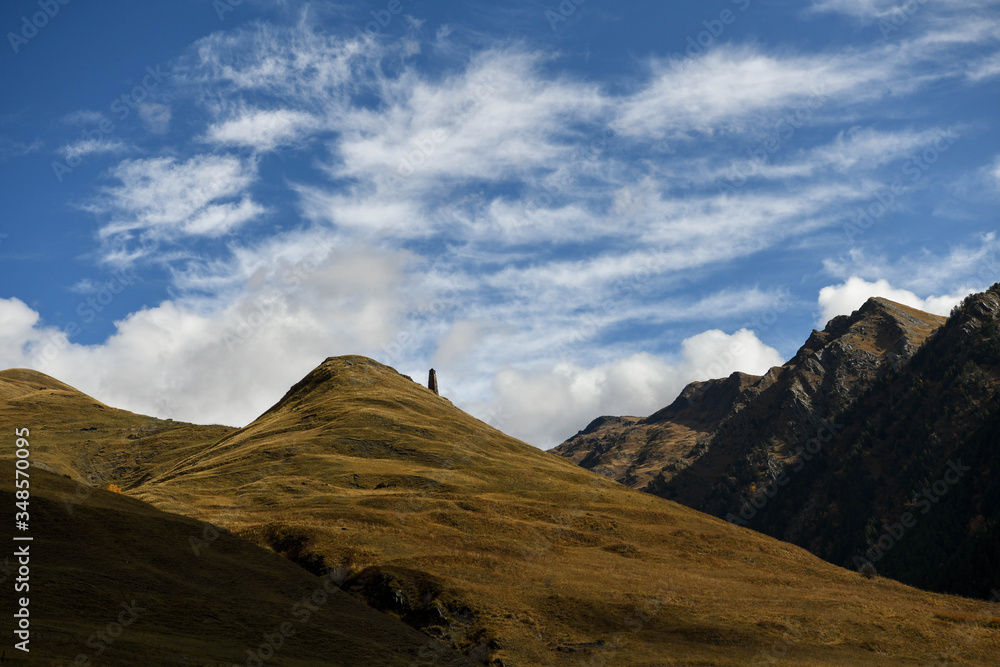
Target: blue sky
568	209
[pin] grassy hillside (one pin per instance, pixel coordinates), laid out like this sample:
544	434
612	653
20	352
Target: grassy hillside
519	557
91	442
115	581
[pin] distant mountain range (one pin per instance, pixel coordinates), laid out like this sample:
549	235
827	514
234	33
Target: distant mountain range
422	536
876	446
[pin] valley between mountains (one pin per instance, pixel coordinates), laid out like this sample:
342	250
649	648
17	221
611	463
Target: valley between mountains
414	534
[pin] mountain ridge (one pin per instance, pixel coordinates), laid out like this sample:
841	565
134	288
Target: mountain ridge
706	428
879	419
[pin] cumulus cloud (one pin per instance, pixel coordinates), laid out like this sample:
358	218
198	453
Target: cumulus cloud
544	407
227	359
847	297
964	268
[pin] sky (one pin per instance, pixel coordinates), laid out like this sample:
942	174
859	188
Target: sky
569	209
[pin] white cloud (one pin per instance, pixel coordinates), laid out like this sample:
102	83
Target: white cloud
262	130
894	8
226	359
867	148
497	118
18	331
728	86
847	297
545	407
84	286
9	148
83	117
295	62
986	68
162	199
964	268
84	147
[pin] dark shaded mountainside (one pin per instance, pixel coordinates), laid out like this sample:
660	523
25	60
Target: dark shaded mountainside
475	547
877	443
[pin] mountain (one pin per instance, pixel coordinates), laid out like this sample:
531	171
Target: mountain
875	446
511	555
748	424
635	451
911	484
785	412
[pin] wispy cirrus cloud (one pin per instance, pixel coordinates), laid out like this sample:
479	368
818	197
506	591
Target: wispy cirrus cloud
985	68
551	237
261	130
84	147
163	199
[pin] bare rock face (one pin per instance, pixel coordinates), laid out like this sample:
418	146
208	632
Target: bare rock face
634	451
723	437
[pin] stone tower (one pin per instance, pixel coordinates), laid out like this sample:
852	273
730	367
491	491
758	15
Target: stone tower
432	381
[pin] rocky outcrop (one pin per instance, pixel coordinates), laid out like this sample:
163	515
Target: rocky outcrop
721	439
634	451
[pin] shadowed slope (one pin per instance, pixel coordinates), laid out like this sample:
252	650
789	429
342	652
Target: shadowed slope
187	594
722	438
519	557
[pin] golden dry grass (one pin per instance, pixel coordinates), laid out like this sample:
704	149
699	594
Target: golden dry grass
204	607
556	565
